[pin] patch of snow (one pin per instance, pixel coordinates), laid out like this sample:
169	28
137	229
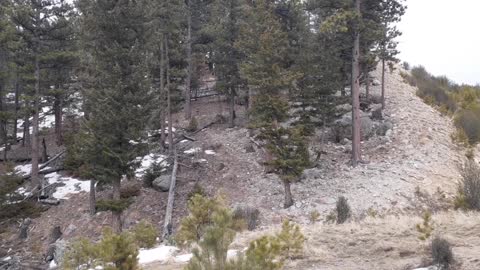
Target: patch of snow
210	152
52	265
6	259
160	253
183	141
183	258
23	169
192	150
202	160
147	161
72	185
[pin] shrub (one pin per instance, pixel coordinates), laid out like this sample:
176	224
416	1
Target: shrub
291	240
192	125
406	65
248	215
314	216
442	252
469	122
152	173
114	251
468	196
113	205
426	227
460	137
197	190
342	210
201	212
145	234
130	190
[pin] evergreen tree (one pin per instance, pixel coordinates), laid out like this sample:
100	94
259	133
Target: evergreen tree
114	34
226	56
38	23
265	46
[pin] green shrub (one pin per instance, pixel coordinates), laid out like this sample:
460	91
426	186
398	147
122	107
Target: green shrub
129	190
426	227
201	212
113	252
442	253
197	190
145	234
342	210
291	240
152	173
192	125
247	215
113	205
469	122
468	196
314	216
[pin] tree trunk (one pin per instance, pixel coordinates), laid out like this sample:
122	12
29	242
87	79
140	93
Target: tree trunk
367	86
167	227
36	109
92	198
232	107
3	126
169	102
44	151
383	84
116	215
57	107
188	108
288	194
356	95
162	94
17	107
26	132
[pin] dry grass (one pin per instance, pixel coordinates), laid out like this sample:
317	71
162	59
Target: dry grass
379	243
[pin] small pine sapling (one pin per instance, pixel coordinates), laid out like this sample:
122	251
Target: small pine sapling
426	227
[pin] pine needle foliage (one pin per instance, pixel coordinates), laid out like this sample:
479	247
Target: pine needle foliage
426	227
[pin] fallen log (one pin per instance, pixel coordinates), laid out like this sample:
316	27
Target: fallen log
49	201
45	172
167	228
183	136
44	165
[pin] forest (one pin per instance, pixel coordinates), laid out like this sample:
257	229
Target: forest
90	88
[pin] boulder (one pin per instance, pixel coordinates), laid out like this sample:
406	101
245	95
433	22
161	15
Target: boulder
377	112
343	127
58	254
162	183
376	82
383	127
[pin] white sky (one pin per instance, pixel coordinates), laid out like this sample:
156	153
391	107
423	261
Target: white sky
443	36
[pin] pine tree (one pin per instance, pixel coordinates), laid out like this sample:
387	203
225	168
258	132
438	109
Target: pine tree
37	25
114	36
265	46
226	56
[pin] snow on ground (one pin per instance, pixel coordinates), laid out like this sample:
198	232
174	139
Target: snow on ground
210	152
160	253
165	254
147	162
192	150
72	185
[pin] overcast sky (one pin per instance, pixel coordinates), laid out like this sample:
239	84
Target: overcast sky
443	36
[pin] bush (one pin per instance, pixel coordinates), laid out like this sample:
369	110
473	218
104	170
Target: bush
291	240
343	210
442	252
129	190
192	125
314	216
152	173
113	205
145	234
426	227
468	196
406	65
469	122
114	251
197	190
248	215
201	212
